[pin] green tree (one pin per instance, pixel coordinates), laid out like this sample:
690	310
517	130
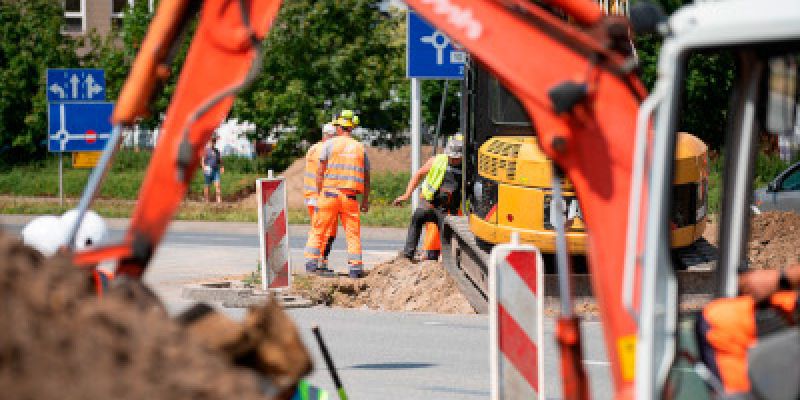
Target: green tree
323	56
707	85
30	42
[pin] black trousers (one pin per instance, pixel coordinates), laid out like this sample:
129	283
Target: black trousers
424	213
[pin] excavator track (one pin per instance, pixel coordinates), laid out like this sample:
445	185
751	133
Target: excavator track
468	264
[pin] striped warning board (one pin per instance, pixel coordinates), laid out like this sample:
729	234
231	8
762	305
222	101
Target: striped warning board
273	228
516	307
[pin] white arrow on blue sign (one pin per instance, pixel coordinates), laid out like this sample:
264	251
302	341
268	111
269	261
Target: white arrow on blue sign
79	126
430	53
66	84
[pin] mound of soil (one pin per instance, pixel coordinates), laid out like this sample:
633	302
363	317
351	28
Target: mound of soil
380	160
774	240
59	341
396	285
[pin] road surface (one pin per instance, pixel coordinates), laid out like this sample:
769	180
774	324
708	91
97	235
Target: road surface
379	354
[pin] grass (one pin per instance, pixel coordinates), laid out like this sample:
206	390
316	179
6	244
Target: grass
767	168
40	178
379	215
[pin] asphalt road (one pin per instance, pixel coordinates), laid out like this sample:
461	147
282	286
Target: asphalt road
379	354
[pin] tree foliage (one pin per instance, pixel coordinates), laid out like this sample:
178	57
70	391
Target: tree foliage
323	56
707	85
30	42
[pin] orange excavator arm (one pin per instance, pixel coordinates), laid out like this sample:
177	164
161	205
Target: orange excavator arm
574	80
578	87
223	57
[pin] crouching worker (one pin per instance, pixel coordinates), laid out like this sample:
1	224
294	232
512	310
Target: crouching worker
441	192
730	329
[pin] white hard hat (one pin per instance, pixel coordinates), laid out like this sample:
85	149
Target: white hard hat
43	234
328	129
93	229
455	144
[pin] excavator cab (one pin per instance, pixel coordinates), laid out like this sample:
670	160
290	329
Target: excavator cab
764	40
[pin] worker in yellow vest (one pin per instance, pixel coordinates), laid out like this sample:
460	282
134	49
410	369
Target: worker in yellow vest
310	188
343	174
441	192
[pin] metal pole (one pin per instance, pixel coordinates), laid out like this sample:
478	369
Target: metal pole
95	179
562	253
416	118
61	179
441	116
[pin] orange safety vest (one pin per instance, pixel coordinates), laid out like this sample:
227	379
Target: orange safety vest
310	175
732	330
346	162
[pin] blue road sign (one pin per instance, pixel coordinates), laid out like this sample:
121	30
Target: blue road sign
76	85
430	53
78	126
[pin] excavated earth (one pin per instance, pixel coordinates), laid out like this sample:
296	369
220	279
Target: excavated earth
59	341
774	240
396	285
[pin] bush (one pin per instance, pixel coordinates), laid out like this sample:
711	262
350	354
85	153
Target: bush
768	166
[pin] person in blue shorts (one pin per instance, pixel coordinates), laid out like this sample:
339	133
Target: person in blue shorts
212	169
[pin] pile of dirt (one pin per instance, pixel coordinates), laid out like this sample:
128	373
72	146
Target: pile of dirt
60	341
774	240
380	160
396	285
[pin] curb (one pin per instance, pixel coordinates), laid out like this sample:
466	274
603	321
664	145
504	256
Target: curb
229	295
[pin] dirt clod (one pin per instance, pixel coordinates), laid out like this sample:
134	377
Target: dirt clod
59	341
396	285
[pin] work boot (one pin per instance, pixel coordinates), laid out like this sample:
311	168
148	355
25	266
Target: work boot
311	266
410	258
356	271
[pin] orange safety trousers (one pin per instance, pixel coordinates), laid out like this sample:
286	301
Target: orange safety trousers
335	204
329	237
727	329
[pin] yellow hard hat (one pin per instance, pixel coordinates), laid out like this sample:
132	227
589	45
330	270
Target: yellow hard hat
345	122
347	114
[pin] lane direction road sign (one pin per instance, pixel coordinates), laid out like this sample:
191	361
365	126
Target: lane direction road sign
64	85
430	53
79	126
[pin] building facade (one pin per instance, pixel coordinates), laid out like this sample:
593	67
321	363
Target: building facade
101	16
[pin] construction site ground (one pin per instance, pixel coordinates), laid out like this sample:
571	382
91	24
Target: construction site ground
381	354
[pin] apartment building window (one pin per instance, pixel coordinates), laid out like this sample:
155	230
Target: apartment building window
74	16
118	8
118	11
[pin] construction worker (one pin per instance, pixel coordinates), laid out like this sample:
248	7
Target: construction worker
728	328
441	192
310	188
342	175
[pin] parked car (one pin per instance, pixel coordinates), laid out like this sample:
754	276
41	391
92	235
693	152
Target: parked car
783	193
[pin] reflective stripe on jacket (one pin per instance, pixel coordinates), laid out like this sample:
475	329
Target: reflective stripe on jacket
310	175
435	177
346	165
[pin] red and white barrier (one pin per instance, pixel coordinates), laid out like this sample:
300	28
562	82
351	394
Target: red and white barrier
516	318
273	228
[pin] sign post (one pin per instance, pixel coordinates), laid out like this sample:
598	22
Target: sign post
430	54
78	118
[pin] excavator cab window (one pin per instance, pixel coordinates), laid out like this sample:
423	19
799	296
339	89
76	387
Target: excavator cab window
505	108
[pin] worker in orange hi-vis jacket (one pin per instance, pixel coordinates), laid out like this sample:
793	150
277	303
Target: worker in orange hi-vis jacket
343	174
310	187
